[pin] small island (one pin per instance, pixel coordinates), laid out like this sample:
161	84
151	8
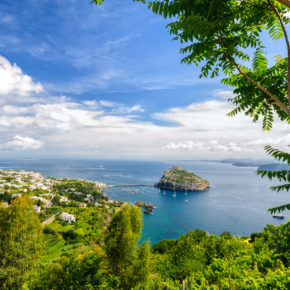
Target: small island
182	180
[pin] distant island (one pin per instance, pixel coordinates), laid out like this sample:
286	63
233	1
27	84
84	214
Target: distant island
261	164
274	167
183	180
244	162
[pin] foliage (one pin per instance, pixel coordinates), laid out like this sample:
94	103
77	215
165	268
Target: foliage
123	234
197	260
74	272
20	242
163	246
201	261
281	175
278	240
224	37
84	187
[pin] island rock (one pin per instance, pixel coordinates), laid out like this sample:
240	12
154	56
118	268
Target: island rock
183	180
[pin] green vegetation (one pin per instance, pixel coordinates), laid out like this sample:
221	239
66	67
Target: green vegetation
179	179
20	242
281	176
224	37
182	176
100	251
75	188
127	262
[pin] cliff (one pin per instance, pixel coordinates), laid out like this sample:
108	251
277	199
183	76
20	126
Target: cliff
183	180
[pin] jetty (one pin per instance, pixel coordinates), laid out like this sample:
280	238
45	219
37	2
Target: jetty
128	185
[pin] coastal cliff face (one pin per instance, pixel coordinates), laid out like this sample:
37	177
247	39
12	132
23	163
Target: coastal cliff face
183	180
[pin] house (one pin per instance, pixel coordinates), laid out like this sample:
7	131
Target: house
67	217
63	199
82	204
37	209
14	195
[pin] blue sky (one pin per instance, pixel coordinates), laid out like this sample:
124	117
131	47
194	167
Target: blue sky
107	82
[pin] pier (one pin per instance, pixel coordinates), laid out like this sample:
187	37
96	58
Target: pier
129	185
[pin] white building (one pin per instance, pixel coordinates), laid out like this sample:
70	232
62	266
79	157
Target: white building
63	199
37	209
67	217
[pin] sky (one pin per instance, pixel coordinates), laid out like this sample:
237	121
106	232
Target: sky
106	82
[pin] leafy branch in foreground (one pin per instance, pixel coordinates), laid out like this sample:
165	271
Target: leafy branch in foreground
281	175
225	36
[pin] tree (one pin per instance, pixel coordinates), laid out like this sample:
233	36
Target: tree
20	240
123	234
73	271
220	34
281	175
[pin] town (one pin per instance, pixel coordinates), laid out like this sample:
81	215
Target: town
52	195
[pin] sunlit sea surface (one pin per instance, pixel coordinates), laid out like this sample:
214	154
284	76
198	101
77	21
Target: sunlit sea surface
236	202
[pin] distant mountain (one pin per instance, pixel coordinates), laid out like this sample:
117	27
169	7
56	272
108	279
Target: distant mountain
274	167
245	162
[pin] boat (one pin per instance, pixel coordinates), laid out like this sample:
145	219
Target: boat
148	211
277	216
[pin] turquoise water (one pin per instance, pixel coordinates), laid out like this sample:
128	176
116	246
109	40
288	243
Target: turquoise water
237	200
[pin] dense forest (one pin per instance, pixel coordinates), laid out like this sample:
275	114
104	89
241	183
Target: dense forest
110	257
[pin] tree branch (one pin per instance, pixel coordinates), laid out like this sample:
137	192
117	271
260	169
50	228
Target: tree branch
285	2
275	100
287	44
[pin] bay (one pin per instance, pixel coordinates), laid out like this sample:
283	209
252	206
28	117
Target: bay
236	202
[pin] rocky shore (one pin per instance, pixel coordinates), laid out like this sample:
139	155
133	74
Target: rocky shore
182	180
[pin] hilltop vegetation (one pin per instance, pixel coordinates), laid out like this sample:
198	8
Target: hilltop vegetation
180	179
101	251
95	246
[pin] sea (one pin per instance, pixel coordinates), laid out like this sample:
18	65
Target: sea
237	200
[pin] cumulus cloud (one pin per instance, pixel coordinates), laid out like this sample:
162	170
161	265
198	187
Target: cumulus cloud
199	130
223	94
113	107
212	145
13	82
20	143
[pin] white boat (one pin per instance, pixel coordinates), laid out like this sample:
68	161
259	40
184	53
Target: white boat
277	216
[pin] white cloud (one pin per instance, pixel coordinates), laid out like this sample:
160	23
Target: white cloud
13	82
20	143
92	103
212	145
187	145
113	107
223	94
281	141
199	130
